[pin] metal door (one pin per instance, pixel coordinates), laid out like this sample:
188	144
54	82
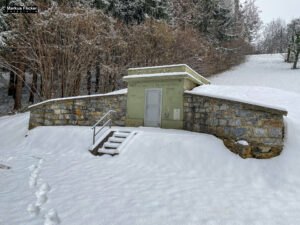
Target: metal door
152	116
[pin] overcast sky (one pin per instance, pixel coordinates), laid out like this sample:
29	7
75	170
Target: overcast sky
272	9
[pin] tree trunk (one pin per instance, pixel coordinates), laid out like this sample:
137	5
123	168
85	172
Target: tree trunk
19	83
89	79
296	59
237	9
41	87
97	77
288	55
11	85
33	87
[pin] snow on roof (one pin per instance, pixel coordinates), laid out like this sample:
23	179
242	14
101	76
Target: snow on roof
169	66
118	92
246	94
156	67
161	75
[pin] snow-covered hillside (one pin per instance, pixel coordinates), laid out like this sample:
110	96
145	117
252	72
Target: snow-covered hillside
162	177
262	70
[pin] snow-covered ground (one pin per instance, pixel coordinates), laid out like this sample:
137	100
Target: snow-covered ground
162	177
262	70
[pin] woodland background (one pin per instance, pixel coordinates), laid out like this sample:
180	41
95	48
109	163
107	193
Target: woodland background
85	47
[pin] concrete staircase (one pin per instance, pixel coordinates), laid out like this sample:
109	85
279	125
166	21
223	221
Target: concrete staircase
112	142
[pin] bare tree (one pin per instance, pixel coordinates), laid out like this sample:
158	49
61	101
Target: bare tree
274	37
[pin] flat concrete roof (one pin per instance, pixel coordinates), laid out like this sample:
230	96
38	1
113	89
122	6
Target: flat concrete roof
166	70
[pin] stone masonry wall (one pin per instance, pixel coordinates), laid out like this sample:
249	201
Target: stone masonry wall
78	111
261	127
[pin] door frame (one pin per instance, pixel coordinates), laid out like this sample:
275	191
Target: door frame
160	107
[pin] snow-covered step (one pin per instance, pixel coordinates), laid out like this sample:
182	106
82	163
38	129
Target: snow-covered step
108	151
111	145
121	134
116	139
113	142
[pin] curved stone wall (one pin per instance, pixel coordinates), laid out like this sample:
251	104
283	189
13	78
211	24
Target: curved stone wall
237	123
248	130
83	111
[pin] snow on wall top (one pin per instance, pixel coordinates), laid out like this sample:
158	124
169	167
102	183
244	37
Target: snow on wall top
118	92
156	67
252	95
162	75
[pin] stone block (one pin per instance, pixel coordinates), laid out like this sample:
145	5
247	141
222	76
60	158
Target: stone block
244	113
253	122
119	123
234	122
228	116
223	107
204	129
219	115
237	132
84	123
189	116
216	108
48	123
222	122
259	132
235	106
227	131
263	115
271	141
275	132
36	115
188	125
201	121
196	127
54	106
206	104
61	106
212	122
221	132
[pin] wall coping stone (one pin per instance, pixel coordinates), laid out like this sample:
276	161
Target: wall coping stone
119	92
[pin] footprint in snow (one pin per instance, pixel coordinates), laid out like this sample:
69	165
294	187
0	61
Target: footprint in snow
34	176
41	194
51	218
33	209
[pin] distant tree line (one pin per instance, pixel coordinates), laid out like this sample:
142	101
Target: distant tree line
279	37
85	47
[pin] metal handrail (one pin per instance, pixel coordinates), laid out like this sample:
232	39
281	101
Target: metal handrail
108	122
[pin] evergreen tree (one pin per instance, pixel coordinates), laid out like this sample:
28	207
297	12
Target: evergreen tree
215	18
134	10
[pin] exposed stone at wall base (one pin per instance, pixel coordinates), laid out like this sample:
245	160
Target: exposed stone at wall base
231	121
253	150
78	111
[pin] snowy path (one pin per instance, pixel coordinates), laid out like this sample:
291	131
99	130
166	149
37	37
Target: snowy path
164	176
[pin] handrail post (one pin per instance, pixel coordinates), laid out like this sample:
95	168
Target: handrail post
94	135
